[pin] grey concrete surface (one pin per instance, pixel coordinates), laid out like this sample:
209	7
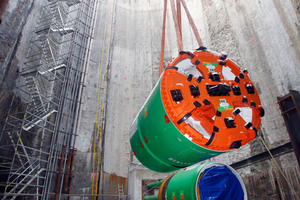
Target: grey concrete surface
94	85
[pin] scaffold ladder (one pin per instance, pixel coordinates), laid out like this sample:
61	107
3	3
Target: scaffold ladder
121	191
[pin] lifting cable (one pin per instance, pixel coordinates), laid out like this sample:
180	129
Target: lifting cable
178	6
162	51
177	23
196	33
277	165
178	35
96	130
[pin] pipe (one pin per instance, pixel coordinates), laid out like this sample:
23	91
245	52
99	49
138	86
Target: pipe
154	184
59	175
203	181
72	171
153	197
68	170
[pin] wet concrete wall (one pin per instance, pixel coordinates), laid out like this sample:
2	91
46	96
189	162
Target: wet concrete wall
18	21
14	15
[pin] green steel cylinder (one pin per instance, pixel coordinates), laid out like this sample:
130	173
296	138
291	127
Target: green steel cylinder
186	184
196	111
154	184
153	197
159	145
211	180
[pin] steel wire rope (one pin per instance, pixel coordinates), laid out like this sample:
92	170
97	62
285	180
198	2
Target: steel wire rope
277	165
177	22
162	50
178	32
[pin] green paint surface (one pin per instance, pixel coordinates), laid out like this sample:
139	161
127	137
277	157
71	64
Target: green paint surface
224	108
212	63
159	145
185	182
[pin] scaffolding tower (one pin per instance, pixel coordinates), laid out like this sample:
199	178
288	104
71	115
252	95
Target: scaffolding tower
38	136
